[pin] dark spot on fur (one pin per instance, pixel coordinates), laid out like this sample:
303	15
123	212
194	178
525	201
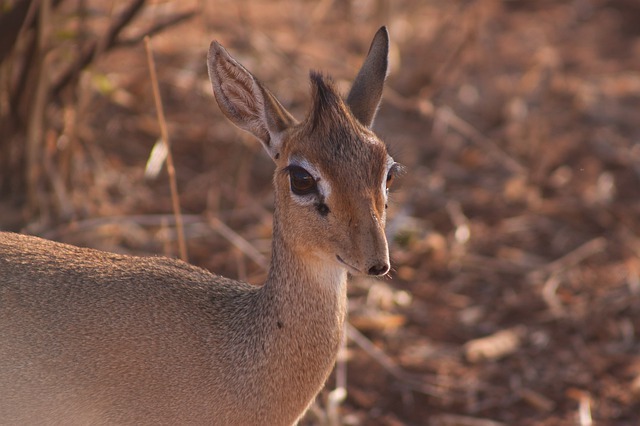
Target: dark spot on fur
323	209
277	155
279	324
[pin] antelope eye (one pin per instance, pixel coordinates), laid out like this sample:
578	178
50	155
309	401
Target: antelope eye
390	178
395	170
391	175
302	183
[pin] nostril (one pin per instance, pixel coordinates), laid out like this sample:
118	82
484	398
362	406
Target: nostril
379	269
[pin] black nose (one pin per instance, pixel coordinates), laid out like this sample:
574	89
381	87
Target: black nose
379	269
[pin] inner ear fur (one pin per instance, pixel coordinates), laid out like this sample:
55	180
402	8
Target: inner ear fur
245	101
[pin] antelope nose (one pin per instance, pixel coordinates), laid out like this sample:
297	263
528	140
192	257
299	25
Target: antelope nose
379	269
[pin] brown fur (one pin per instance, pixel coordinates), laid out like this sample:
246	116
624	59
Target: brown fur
88	337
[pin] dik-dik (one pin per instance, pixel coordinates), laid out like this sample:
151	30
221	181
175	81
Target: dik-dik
91	338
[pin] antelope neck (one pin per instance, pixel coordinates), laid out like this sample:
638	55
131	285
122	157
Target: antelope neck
304	280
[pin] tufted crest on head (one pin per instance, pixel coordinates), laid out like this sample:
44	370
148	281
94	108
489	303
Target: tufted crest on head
327	106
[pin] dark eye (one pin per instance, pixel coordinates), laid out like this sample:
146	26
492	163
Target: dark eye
390	178
395	170
302	183
391	175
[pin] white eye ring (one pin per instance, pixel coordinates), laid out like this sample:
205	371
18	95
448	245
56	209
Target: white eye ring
322	189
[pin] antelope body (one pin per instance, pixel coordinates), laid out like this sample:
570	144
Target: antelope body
89	337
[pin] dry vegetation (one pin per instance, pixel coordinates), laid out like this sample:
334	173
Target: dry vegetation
515	296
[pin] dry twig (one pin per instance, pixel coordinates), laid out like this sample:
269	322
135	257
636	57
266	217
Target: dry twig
238	242
182	247
411	381
569	260
106	42
448	117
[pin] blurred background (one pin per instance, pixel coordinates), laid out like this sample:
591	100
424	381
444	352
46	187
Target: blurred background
515	292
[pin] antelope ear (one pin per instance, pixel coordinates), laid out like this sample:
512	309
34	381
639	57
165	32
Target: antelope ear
245	101
366	91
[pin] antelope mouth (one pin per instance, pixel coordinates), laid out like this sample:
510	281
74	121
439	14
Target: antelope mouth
350	268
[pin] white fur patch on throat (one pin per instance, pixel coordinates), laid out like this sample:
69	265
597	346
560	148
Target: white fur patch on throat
328	273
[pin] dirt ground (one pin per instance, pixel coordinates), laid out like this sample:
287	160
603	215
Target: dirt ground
515	292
